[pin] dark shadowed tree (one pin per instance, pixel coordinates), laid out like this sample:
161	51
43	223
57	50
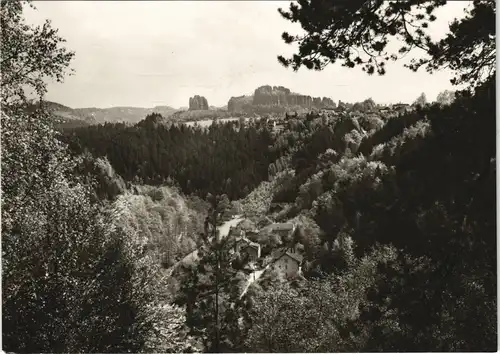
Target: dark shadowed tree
211	289
72	280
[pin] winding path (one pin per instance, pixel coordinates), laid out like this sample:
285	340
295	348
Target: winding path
252	278
223	232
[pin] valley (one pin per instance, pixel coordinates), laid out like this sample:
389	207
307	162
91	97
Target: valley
360	218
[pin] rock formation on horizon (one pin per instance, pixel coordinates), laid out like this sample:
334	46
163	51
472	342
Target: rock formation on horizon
198	103
277	96
237	104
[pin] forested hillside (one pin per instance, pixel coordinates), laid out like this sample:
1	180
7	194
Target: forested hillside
219	160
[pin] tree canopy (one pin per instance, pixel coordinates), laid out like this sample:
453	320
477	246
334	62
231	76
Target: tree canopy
358	33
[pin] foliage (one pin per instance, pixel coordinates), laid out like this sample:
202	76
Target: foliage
212	287
99	172
258	202
172	335
445	97
438	318
396	216
232	161
402	144
421	100
30	55
371	123
163	220
73	279
359	33
393	127
309	235
428	190
365	106
320	316
469	48
65	264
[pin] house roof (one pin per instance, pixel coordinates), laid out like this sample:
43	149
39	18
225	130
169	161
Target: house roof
252	245
283	252
275	254
248	242
295	256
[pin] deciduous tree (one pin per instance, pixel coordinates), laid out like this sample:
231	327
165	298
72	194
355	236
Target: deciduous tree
30	55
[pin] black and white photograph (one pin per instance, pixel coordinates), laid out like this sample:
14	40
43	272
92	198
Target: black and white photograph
307	176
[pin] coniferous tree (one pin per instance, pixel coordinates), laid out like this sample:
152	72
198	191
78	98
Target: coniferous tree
212	288
339	32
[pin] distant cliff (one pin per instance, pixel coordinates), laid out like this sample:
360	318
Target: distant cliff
197	103
237	104
268	99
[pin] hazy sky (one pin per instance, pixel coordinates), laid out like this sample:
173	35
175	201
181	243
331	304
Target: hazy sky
140	53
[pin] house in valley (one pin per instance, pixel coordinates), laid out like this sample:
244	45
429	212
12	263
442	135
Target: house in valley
246	225
242	228
279	127
283	229
288	261
244	245
252	249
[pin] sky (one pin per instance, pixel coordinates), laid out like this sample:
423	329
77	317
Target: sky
151	53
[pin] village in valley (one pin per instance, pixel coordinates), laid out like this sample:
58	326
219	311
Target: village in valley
283	261
286	259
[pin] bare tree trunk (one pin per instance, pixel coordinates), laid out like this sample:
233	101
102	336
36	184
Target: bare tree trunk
217	271
217	329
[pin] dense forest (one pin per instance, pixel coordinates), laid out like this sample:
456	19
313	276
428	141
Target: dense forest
111	233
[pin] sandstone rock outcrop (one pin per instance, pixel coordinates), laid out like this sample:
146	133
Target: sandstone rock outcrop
276	96
238	104
279	95
328	102
198	103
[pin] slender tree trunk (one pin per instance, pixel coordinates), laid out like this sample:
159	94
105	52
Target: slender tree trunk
217	270
217	330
